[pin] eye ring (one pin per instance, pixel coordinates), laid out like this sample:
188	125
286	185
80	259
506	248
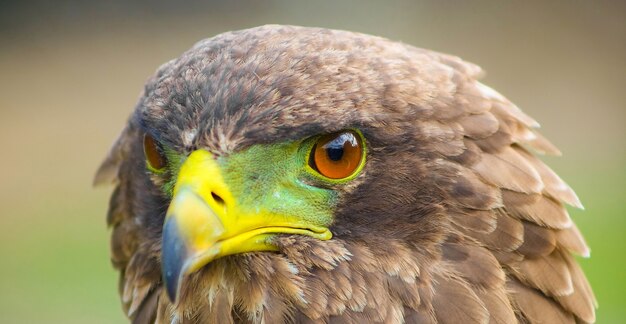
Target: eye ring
155	159
337	156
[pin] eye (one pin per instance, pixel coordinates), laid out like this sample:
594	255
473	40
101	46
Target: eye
337	155
154	157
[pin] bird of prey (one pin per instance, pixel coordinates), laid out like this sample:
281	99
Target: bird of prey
285	174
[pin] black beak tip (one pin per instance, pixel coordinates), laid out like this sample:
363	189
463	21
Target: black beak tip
171	286
173	256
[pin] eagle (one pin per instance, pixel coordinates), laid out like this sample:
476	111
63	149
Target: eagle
285	174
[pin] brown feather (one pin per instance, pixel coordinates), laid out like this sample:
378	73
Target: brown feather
549	274
470	98
508	170
507	258
417	317
471	192
164	308
140	278
555	187
572	240
482	221
536	208
407	293
582	301
118	206
219	310
479	126
536	307
504	107
541	145
475	264
455	302
508	235
470	70
470	156
146	314
498	305
123	244
496	142
538	241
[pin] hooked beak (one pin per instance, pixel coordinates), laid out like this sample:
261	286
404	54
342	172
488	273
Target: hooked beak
204	222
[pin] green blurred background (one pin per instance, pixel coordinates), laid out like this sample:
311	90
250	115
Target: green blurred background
71	71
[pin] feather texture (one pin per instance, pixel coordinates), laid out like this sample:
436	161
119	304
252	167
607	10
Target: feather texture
538	241
537	308
509	170
456	302
550	274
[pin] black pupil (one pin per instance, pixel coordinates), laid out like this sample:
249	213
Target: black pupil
335	152
334	148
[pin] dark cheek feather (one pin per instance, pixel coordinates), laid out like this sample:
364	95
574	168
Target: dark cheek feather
150	204
392	200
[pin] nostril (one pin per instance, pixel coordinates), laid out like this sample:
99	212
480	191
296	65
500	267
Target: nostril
217	198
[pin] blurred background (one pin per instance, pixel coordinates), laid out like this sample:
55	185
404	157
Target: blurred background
71	71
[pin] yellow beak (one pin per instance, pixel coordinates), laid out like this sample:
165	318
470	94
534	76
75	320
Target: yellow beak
205	222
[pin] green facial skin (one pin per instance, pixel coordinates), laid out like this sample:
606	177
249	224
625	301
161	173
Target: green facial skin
274	179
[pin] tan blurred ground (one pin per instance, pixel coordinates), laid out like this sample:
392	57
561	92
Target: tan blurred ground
70	73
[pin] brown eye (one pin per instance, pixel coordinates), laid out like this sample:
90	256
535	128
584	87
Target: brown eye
337	155
153	153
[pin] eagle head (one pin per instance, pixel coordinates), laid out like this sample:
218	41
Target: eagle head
289	174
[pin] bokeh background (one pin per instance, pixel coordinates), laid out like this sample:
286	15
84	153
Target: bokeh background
71	71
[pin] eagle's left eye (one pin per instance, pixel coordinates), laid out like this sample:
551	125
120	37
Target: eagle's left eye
337	155
154	156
